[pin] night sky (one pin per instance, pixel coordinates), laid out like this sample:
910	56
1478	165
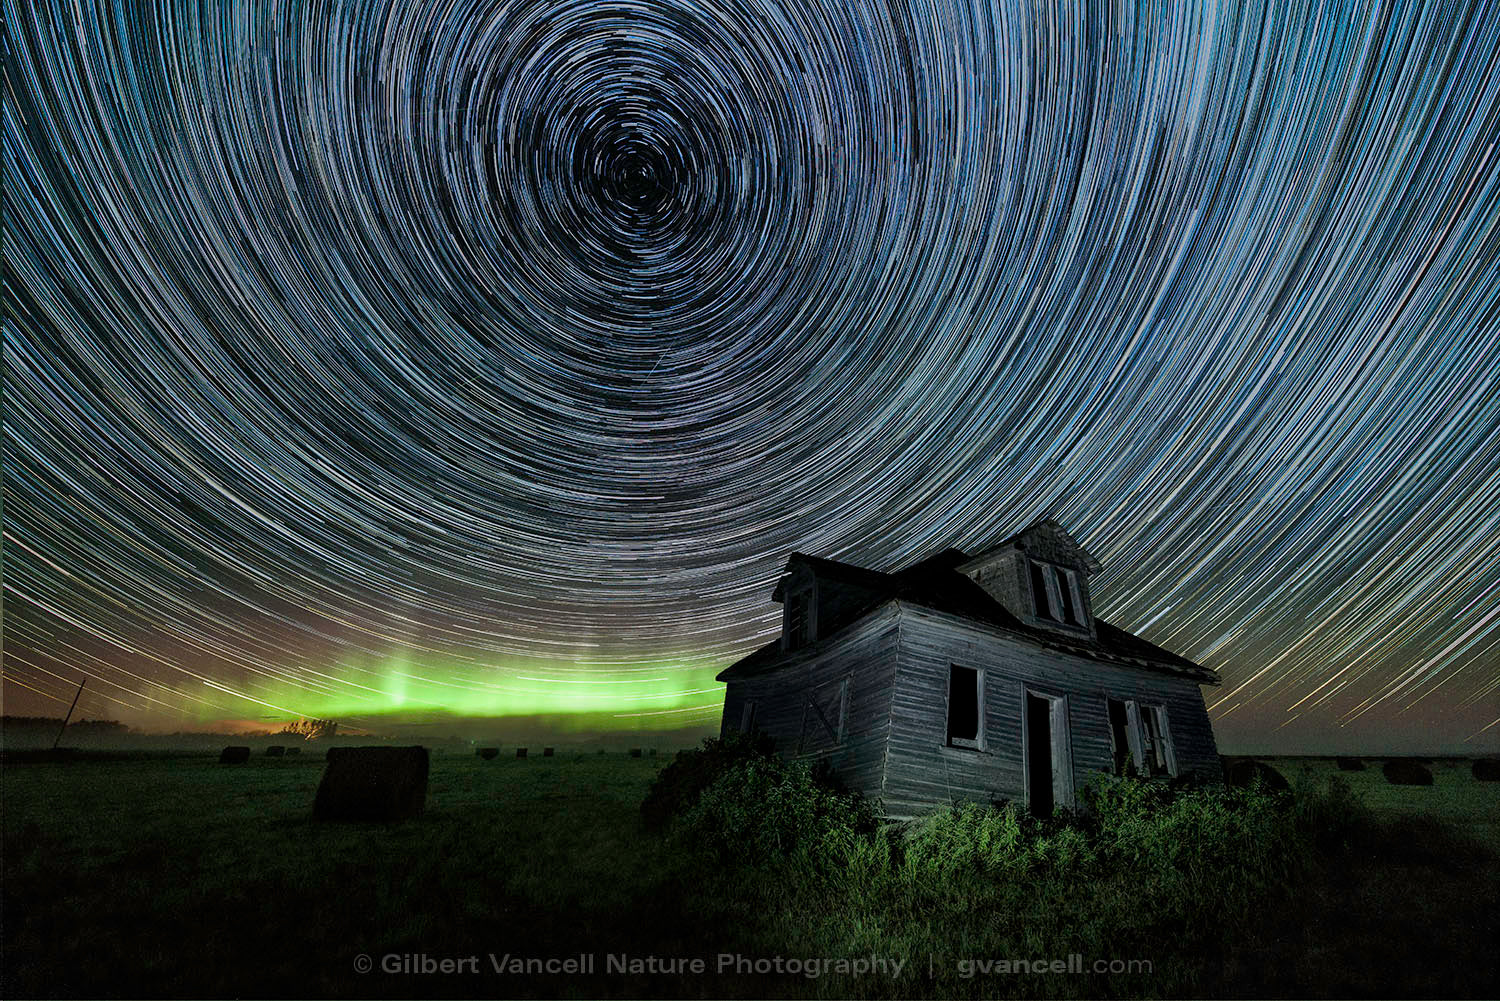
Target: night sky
378	361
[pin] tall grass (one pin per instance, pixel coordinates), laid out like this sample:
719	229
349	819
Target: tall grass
1178	883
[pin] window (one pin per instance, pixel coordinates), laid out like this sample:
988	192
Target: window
1056	594
747	717
1141	738
798	619
965	699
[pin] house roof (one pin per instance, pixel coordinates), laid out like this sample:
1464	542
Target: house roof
1045	527
826	569
936	584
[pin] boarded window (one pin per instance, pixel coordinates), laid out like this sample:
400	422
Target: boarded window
1039	592
963	706
747	717
825	717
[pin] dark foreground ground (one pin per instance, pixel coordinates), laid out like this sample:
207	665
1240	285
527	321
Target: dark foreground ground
178	877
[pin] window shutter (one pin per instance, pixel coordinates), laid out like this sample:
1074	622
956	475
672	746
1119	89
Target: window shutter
1134	733
1169	753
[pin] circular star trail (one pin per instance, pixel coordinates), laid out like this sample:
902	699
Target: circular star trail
490	357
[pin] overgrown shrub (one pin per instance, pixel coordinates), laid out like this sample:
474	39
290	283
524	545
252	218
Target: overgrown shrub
679	785
768	812
1213	831
993	841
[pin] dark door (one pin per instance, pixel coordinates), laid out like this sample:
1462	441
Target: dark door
1039	754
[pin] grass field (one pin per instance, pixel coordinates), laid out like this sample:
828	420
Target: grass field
180	877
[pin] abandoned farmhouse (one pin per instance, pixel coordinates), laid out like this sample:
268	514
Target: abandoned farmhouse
961	677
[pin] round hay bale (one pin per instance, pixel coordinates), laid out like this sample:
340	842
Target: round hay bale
1487	769
1246	772
234	755
547	752
1406	772
487	753
373	783
292	752
1350	764
635	752
520	752
276	751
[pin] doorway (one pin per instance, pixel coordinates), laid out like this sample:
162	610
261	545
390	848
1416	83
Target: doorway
1049	765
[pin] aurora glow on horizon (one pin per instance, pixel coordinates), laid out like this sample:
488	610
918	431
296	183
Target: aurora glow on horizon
489	357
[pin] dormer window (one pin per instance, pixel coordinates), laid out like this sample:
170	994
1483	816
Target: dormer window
798	629
1056	594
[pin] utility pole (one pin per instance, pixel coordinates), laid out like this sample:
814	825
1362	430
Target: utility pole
70	712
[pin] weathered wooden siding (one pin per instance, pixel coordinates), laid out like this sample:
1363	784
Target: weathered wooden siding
921	772
866	656
1003	580
838	604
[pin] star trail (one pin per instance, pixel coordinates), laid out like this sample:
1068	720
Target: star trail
488	357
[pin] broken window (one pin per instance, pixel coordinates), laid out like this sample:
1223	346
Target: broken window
964	702
1159	754
1141	738
1056	594
798	619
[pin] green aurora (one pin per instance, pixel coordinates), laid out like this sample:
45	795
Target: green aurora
407	688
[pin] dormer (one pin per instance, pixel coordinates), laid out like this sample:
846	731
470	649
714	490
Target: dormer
797	591
1041	576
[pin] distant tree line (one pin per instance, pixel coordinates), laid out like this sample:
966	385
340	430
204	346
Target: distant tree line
100	726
